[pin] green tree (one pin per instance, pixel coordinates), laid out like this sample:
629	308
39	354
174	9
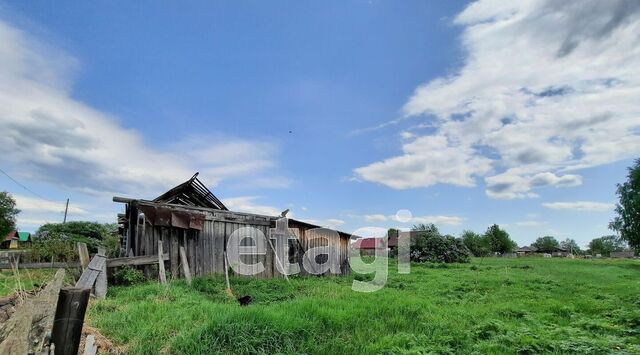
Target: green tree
627	221
498	240
392	233
8	213
606	244
430	246
56	241
79	230
476	243
571	245
546	244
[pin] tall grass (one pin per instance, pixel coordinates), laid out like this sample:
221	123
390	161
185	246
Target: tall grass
488	306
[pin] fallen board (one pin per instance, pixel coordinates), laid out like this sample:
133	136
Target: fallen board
90	274
25	330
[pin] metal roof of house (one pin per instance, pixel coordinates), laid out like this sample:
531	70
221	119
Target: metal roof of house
24	236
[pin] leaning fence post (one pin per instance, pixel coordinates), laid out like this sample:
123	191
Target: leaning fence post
68	320
185	265
83	254
161	270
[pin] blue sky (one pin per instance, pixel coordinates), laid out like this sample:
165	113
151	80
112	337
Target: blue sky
344	112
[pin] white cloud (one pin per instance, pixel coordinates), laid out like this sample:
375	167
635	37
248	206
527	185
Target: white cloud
580	206
428	160
49	136
375	218
331	223
38	205
247	204
546	87
438	220
510	185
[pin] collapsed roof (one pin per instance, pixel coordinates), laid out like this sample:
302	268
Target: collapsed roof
192	193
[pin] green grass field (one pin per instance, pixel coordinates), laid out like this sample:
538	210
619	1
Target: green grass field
29	279
488	306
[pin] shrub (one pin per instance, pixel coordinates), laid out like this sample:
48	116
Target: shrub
54	248
127	275
430	246
57	241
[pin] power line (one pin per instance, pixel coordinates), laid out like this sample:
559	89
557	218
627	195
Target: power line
24	187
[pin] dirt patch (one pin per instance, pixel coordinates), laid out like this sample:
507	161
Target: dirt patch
104	345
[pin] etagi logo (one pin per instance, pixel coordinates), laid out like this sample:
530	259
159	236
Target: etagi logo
325	253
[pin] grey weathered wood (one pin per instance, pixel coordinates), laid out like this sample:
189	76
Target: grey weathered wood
161	271
68	321
101	280
56	265
83	255
25	331
185	265
226	271
90	274
90	347
135	260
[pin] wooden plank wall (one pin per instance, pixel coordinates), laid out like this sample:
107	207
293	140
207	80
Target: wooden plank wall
205	248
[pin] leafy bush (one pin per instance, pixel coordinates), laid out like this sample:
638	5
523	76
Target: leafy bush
127	275
57	241
546	244
499	240
54	248
79	230
477	244
430	246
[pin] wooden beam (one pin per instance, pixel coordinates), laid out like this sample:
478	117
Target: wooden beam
56	265
90	274
185	265
101	280
90	347
135	260
161	271
25	331
69	318
122	199
83	254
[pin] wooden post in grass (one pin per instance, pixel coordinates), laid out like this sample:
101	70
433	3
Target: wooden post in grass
101	280
185	265
161	270
83	254
68	320
226	274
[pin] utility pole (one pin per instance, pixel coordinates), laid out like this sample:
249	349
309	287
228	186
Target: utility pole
66	208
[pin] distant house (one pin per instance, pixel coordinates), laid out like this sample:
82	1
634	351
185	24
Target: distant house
561	252
622	254
367	246
14	239
526	251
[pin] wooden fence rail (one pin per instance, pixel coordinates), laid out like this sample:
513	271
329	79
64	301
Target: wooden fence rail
115	262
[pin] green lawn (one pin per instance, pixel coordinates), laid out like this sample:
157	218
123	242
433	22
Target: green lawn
29	279
488	306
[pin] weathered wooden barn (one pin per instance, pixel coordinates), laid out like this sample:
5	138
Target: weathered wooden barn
190	216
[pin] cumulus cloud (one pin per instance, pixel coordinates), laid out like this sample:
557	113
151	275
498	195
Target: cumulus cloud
375	218
331	223
581	206
49	136
248	204
37	205
546	88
